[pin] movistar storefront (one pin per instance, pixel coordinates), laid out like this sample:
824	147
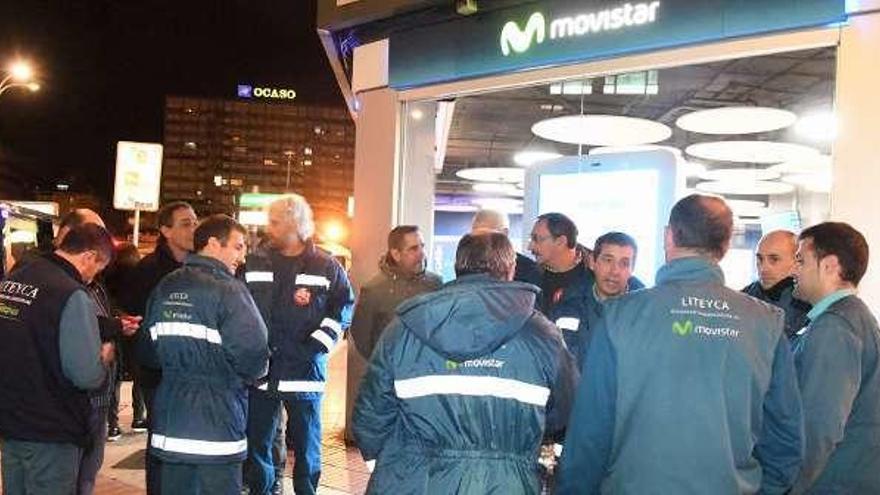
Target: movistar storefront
609	111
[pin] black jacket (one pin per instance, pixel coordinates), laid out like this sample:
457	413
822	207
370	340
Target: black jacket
144	278
781	295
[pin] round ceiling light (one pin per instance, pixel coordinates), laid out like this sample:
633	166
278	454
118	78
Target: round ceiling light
818	182
605	150
601	130
505	188
493	174
812	165
528	158
763	152
746	207
754	188
504	205
692	169
739	174
736	120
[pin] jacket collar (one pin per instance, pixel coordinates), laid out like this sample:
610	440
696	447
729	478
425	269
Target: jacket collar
193	259
775	292
690	269
66	266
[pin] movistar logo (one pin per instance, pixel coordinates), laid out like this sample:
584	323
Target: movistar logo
682	327
451	365
520	40
537	28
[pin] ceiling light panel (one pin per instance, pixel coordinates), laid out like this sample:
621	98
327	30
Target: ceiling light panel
754	188
761	152
739	174
601	130
493	174
736	120
530	157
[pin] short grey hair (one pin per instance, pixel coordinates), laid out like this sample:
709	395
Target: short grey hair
298	211
487	219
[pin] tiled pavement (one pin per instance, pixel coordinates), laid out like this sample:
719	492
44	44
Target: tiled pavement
343	470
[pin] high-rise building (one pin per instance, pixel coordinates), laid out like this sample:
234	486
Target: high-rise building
217	149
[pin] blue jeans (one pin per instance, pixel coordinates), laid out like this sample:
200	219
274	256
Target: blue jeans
38	467
305	421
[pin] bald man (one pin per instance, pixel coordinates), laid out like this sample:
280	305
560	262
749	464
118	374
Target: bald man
775	285
493	220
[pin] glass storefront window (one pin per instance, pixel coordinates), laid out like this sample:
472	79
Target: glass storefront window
758	131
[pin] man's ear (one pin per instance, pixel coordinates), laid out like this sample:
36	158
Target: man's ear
830	266
395	254
591	262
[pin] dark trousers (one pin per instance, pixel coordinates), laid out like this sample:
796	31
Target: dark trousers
113	410
152	465
36	468
201	479
93	455
305	422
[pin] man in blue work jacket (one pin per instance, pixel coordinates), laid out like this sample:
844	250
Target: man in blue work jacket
306	300
204	332
464	384
838	363
688	387
566	280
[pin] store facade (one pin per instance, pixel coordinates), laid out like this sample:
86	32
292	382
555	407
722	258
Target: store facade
435	93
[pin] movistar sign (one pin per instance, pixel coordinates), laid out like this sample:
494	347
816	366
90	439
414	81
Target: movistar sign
546	33
516	40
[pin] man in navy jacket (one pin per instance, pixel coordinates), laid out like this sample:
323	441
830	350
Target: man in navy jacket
205	333
306	301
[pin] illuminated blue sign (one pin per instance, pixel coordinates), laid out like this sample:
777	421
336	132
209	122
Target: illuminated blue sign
245	91
248	91
559	32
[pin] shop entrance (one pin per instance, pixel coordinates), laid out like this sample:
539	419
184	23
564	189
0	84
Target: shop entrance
758	131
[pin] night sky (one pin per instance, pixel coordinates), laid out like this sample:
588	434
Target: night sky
106	66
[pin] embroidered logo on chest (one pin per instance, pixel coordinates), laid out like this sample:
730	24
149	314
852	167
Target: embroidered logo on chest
302	297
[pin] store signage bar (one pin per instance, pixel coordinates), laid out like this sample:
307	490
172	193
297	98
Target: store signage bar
550	33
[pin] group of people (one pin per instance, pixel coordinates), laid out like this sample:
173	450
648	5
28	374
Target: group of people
684	387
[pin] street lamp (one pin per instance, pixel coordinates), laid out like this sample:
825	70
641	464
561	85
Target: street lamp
19	75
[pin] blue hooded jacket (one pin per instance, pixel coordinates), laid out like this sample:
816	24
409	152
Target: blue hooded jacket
203	330
688	387
460	391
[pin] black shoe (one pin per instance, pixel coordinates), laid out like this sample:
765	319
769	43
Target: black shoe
113	434
139	426
277	488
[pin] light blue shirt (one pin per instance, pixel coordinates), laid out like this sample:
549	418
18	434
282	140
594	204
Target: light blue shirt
826	302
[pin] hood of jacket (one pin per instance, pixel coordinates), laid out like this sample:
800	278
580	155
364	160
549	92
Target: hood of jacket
469	317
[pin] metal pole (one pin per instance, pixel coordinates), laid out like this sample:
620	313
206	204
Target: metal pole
137	227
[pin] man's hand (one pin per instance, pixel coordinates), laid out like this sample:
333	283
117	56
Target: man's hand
130	324
108	353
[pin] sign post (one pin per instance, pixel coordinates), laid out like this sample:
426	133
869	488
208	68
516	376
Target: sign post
138	174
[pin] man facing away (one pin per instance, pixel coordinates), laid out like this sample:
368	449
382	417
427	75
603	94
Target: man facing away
838	363
50	357
305	299
486	219
775	261
688	387
465	383
205	333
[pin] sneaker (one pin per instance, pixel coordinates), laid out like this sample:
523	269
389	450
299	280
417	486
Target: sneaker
139	426
113	434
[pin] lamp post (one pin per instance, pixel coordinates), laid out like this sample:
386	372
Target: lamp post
289	155
19	75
